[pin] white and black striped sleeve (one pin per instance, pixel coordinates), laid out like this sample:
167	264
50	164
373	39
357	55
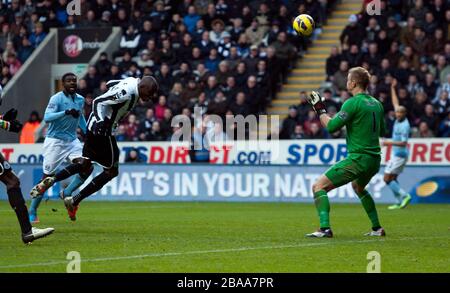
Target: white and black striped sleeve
115	95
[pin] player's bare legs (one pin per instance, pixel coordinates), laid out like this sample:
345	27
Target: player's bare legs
12	183
320	189
369	206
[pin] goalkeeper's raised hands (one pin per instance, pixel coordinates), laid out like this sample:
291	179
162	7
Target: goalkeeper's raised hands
317	103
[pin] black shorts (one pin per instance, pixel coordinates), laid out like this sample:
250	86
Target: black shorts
102	150
4	165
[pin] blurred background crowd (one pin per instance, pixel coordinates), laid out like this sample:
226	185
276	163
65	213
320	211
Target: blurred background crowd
409	41
231	57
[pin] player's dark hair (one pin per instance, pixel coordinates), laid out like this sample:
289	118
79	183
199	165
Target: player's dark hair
360	76
67	75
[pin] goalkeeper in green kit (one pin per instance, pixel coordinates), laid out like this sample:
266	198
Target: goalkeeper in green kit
363	116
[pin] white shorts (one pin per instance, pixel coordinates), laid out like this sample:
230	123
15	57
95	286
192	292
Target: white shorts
57	151
395	165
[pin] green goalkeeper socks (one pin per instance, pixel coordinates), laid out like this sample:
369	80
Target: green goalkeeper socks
369	207
323	208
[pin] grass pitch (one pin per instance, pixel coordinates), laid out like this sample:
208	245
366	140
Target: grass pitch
226	237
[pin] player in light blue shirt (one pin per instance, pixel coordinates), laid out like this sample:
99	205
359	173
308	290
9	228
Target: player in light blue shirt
399	154
64	114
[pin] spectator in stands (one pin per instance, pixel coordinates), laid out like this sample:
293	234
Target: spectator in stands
352	56
114	73
442	105
429	117
418	12
92	79
145	126
13	63
25	50
100	90
286	54
435	45
407	32
316	132
131	128
424	131
413	86
168	54
160	107
191	18
237	29
212	62
392	30
103	65
126	62
38	36
239	106
105	20
186	42
353	34
444	127
289	124
332	64
419	42
340	77
253	95
130	40
165	123
372	30
444	88
155	134
27	135
255	33
418	108
133	156
218	30
90	20
174	100
298	133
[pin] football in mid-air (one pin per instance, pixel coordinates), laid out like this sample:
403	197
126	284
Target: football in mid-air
303	25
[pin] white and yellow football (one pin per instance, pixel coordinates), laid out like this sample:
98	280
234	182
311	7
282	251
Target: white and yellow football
303	25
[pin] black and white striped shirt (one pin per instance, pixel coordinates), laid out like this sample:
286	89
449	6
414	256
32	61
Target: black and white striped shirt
116	103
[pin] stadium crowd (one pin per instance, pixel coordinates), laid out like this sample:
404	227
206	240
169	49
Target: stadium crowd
409	41
222	56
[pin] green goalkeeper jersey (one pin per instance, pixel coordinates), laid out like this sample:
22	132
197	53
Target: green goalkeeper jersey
363	115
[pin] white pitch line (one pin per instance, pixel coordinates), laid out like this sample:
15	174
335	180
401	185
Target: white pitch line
52	263
115	208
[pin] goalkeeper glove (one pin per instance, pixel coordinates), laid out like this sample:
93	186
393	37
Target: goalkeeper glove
73	112
10	115
13	126
316	101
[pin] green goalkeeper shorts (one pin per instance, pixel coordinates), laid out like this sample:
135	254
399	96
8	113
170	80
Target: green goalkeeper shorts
359	167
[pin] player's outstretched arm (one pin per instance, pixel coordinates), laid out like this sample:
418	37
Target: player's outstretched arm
331	124
394	96
12	126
